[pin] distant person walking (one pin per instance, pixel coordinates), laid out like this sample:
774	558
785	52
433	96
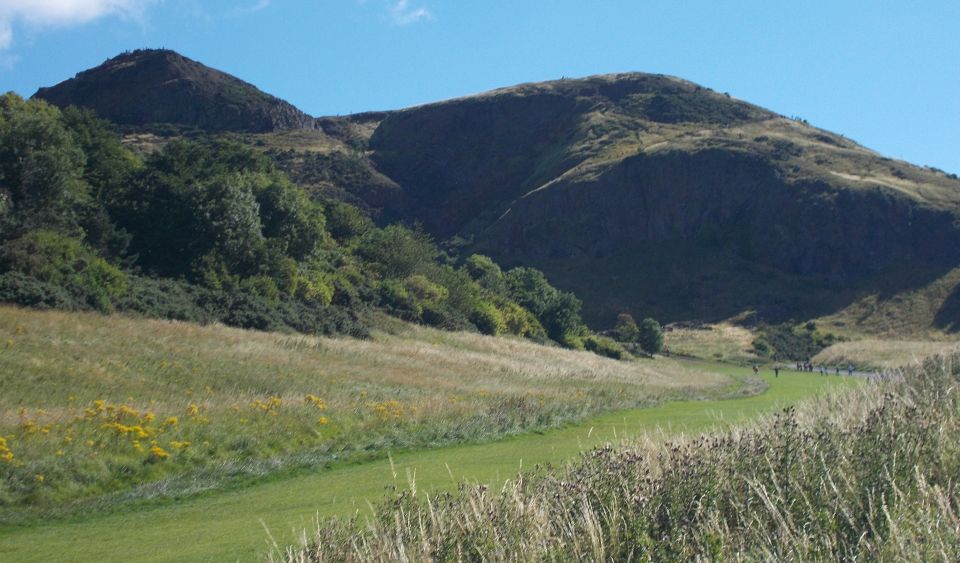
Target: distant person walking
776	371
838	371
850	369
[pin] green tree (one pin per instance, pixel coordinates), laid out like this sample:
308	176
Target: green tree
626	328
41	168
486	272
64	262
651	336
397	252
289	217
557	311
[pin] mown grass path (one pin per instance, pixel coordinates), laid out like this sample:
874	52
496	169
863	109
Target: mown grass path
230	526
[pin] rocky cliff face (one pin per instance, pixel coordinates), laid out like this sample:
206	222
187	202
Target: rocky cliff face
739	201
159	86
588	178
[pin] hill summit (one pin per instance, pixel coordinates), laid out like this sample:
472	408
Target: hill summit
151	86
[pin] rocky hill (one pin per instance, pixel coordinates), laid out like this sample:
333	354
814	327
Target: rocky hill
654	195
160	86
641	193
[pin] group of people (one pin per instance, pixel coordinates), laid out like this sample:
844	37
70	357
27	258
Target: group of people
808	367
824	370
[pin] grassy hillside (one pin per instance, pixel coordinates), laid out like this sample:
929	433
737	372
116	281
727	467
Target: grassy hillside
105	410
874	354
867	475
721	342
287	506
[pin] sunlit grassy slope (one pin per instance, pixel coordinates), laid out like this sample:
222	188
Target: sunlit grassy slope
872	353
228	526
101	411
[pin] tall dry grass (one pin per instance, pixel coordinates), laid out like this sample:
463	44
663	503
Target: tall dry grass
867	475
721	341
875	354
99	410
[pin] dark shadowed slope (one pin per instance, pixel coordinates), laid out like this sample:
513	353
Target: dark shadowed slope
160	86
654	195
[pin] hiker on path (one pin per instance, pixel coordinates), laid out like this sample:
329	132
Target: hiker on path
776	371
850	369
838	371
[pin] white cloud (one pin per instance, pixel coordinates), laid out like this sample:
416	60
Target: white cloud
250	9
62	13
403	14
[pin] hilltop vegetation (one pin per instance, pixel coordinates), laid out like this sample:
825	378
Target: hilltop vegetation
210	230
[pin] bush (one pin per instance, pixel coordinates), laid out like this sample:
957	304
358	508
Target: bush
65	262
488	319
603	346
164	299
626	328
521	322
650	336
797	343
21	289
761	347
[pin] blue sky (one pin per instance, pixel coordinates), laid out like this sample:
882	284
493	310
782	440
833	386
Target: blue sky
885	73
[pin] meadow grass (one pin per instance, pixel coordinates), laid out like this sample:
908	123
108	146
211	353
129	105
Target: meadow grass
718	342
228	526
864	475
103	411
876	354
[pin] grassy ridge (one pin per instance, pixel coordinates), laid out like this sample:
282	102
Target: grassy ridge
227	526
101	411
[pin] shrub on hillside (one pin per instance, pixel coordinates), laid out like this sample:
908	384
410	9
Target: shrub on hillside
488	319
165	299
65	262
792	342
603	346
21	289
650	336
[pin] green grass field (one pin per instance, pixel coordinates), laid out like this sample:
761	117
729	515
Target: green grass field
231	525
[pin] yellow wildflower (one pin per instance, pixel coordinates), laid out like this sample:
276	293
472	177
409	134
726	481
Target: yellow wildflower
39	478
315	401
158	453
6	455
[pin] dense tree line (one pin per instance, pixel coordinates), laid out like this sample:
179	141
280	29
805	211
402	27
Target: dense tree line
210	230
